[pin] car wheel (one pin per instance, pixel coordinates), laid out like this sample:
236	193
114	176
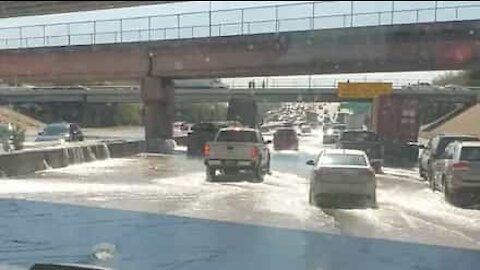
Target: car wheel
373	200
210	174
430	178
433	183
447	193
421	172
268	165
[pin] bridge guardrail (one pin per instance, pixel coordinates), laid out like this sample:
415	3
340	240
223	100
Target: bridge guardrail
239	21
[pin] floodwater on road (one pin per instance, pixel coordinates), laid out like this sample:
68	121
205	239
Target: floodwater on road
158	212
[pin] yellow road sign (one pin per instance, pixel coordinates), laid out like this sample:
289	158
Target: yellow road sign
363	89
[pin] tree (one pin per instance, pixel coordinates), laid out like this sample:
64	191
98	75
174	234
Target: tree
452	78
461	78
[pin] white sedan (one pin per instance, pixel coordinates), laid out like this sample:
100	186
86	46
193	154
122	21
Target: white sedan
342	174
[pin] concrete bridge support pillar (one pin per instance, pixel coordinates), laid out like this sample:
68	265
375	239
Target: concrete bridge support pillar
158	104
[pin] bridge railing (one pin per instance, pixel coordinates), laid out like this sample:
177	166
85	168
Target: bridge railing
239	21
308	82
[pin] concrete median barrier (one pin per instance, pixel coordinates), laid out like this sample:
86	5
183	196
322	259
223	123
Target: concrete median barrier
29	161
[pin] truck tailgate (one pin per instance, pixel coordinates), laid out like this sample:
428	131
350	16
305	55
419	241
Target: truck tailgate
230	150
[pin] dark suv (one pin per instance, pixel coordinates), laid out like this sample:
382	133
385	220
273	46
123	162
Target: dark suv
202	133
366	141
285	139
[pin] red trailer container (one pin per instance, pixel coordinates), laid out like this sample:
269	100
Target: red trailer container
396	121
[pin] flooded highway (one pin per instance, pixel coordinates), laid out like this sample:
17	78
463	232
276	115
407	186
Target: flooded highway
158	212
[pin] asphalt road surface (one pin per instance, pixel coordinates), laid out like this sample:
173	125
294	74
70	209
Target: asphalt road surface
158	212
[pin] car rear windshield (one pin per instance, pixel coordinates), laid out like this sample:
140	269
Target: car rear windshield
56	129
286	132
359	136
445	141
237	136
470	154
343	159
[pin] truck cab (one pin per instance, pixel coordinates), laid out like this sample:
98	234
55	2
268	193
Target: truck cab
366	141
237	149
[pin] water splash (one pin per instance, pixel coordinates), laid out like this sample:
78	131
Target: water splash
104	252
46	165
105	151
90	154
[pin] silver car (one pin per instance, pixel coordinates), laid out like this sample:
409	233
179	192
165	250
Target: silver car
342	174
458	173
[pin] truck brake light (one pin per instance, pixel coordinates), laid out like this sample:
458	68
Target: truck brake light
253	152
206	150
461	166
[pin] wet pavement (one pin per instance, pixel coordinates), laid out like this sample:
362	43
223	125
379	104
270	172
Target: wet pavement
158	212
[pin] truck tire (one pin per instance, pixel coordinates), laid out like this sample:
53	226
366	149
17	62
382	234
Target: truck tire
377	168
432	184
421	172
210	174
258	174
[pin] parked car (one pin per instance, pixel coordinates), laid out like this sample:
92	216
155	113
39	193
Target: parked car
457	172
68	132
434	149
11	136
366	141
332	133
285	139
235	150
342	174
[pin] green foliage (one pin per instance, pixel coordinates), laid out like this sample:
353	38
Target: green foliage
431	110
453	78
126	114
194	113
462	78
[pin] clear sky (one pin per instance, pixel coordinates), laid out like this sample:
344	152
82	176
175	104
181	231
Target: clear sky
405	13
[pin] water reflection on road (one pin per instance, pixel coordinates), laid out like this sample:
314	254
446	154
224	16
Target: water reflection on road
159	212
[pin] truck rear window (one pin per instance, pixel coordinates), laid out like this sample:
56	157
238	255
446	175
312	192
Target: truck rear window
237	136
470	154
285	132
343	159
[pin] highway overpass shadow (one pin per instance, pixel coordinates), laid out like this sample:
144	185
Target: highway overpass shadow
49	232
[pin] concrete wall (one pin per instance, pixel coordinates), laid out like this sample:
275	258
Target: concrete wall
29	161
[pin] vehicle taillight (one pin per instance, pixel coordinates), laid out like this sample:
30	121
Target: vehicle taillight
461	166
368	172
253	152
206	150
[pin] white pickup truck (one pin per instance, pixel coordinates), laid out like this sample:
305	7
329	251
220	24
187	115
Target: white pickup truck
237	149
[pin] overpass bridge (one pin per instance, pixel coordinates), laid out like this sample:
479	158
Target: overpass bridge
235	43
216	49
132	94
